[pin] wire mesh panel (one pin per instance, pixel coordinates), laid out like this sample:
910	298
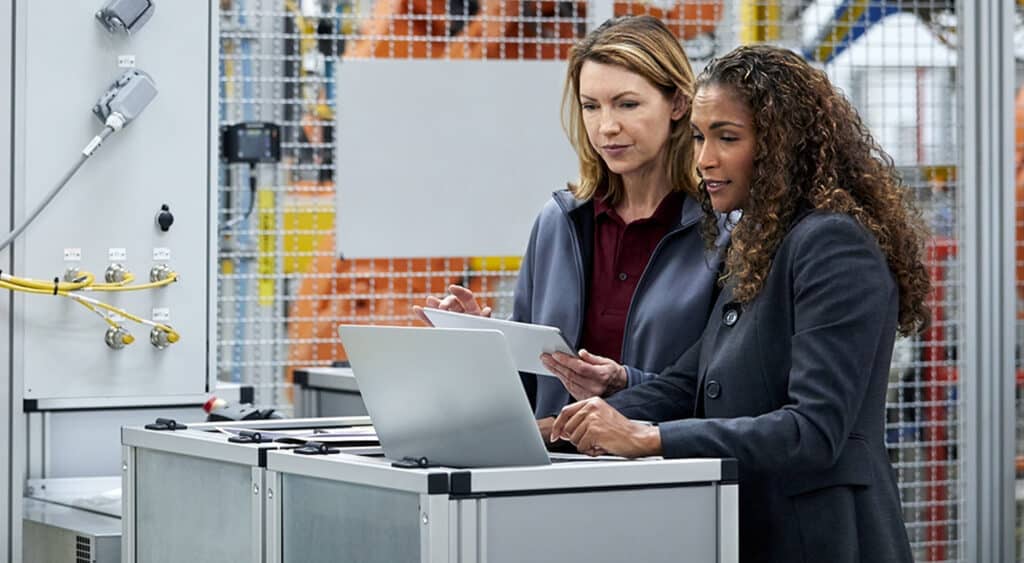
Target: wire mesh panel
284	287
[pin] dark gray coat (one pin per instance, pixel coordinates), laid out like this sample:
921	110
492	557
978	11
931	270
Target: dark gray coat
794	388
669	308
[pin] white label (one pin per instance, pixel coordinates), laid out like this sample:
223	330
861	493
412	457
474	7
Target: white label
126	61
117	254
161	254
72	254
161	314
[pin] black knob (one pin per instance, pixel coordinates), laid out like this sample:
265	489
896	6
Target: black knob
164	219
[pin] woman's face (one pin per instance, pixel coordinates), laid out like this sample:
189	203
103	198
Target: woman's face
724	144
628	119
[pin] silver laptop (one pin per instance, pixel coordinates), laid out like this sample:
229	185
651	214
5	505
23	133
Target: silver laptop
452	396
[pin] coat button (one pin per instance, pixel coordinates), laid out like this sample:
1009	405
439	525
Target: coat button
623	276
730	314
713	389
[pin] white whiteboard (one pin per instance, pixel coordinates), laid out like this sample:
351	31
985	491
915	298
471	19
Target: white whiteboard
446	158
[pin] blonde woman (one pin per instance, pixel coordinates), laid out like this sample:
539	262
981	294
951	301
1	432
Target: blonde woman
616	261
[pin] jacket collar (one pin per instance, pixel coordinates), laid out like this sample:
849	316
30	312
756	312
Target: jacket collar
690	215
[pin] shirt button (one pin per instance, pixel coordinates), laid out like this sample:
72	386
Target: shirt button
713	389
623	276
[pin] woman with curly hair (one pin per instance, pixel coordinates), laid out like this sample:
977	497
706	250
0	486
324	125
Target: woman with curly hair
790	374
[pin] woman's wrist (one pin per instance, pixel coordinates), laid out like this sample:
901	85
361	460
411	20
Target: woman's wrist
649	440
617	382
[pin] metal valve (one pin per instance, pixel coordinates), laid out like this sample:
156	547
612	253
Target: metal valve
116	273
117	338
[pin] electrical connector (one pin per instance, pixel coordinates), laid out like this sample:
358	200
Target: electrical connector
117	338
161	338
116	273
127	16
160	272
127	96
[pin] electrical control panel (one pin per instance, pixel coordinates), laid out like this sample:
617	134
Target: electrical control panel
136	215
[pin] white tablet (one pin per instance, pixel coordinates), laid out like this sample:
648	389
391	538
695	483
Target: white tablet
526	341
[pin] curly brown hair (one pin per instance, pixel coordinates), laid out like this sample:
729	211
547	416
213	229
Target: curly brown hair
812	152
645	46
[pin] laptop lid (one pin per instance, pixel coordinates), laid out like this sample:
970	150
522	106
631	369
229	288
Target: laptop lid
450	395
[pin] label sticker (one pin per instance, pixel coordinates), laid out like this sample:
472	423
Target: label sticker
117	254
161	254
72	254
126	61
161	314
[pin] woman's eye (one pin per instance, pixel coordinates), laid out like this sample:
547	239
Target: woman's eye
589	107
629	105
698	137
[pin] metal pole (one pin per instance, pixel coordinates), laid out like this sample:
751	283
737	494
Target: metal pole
987	185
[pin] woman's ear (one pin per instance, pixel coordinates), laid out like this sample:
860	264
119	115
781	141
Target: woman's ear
680	105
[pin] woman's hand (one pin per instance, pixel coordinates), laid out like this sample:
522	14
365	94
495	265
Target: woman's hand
595	428
459	300
587	376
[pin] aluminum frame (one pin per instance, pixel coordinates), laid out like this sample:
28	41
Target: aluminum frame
986	31
464	513
199	441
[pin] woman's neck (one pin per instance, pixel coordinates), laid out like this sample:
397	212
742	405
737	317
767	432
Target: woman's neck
641	196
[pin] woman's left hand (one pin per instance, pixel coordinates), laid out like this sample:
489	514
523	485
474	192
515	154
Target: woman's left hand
595	428
588	376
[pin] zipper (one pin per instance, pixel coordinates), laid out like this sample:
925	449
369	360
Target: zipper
579	272
639	287
640	284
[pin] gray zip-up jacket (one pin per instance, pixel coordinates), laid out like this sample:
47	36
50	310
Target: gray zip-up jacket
667	312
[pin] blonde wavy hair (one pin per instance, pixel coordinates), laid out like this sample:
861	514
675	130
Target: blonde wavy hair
813	152
645	46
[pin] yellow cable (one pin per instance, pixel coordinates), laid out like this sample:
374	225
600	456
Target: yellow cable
92	304
172	335
86	279
112	286
151	285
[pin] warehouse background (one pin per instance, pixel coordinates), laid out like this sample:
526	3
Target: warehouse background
912	68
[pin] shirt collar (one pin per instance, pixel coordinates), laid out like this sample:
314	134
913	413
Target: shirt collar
667	213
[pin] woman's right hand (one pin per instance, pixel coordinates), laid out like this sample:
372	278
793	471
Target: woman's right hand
459	300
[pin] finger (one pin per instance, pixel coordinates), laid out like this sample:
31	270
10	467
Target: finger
594	359
578	423
421	315
451	303
573	363
433	302
563	417
485	312
466	299
587	442
584	422
555	367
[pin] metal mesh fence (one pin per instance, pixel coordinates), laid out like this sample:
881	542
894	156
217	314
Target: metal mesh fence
284	288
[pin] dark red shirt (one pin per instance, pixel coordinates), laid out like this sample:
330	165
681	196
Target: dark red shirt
621	252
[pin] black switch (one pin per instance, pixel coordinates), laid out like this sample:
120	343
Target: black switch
164	218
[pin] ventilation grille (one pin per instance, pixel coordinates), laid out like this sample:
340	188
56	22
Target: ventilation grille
83	550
